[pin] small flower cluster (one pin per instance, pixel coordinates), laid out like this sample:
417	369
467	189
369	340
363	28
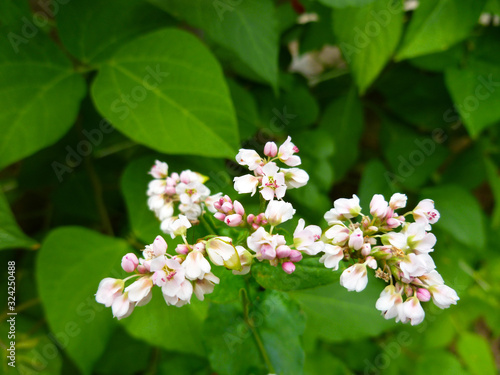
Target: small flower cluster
268	177
186	189
398	250
178	276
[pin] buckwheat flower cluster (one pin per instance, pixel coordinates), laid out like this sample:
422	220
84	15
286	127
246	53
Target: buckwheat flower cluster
397	250
270	179
178	276
186	191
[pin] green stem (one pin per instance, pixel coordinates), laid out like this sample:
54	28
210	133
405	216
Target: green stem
208	225
250	324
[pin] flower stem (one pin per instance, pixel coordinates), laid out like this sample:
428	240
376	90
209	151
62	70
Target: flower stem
260	345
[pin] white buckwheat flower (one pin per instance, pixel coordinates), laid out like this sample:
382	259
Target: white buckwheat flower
205	285
443	296
333	255
195	265
273	182
122	306
398	200
306	239
159	170
109	289
413	310
221	252
425	213
354	278
250	158
278	212
347	208
286	153
246	184
295	177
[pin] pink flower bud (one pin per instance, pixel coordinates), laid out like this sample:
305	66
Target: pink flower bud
217	205
259	171
182	249
130	262
238	208
255	226
288	267
226	198
295	256
267	252
170	190
141	269
271	149
200	246
423	295
220	216
393	223
233	220
371	262
283	251
366	249
226	207
250	218
378	206
356	239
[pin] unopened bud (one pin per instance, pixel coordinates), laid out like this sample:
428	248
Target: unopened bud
271	149
288	267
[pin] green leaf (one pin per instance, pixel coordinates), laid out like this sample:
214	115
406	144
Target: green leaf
168	327
475	93
466	170
247	28
438	362
246	109
278	323
438	24
231	347
413	157
166	91
476	353
86	31
281	329
134	184
11	236
374	181
40	93
321	361
343	120
71	263
425	105
228	289
461	214
368	37
346	3
124	355
494	178
309	273
335	314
